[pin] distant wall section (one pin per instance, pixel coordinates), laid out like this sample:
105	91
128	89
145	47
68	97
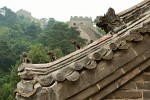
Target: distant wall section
74	21
85	26
24	13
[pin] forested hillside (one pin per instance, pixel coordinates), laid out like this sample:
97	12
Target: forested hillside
19	34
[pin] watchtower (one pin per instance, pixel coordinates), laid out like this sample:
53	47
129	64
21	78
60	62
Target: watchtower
75	21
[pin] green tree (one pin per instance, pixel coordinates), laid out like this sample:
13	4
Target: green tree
58	52
51	21
6	55
8	83
7	16
60	36
38	54
33	29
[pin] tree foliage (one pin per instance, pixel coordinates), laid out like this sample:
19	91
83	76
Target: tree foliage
38	54
60	36
20	34
6	55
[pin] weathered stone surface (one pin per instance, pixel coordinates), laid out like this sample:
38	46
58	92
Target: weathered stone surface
146	77
109	21
122	57
132	74
116	84
144	86
109	97
18	97
145	65
73	76
128	86
128	37
93	76
45	80
90	63
113	46
138	78
61	89
83	95
44	96
26	88
98	86
25	75
128	94
127	77
134	63
123	45
58	75
146	95
104	92
139	47
108	55
77	65
135	11
44	93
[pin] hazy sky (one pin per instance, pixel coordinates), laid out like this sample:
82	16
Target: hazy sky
61	10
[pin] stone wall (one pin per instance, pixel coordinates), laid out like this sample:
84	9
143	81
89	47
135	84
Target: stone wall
85	26
137	89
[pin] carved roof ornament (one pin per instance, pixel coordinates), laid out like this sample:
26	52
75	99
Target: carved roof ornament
76	44
26	59
52	56
110	21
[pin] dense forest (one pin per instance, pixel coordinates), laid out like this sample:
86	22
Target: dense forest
19	34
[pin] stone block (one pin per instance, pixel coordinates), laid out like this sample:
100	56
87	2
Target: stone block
122	57
137	61
138	78
146	95
98	86
127	94
133	64
143	86
127	77
67	89
146	76
147	54
128	86
104	92
100	72
140	47
84	94
144	65
111	78
109	96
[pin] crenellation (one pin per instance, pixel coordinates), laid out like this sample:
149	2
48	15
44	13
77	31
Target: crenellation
80	18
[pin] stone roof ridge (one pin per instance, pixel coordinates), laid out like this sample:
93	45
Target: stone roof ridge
142	3
129	14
